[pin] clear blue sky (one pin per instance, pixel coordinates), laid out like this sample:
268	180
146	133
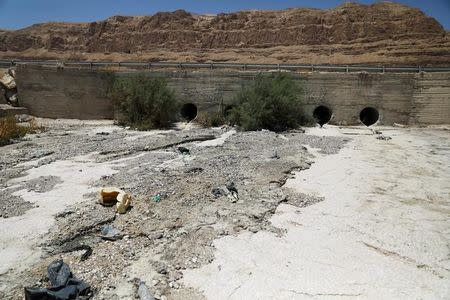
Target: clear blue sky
22	13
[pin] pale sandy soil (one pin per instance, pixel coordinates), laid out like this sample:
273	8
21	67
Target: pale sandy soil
382	232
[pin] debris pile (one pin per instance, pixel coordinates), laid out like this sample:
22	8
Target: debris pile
64	285
228	190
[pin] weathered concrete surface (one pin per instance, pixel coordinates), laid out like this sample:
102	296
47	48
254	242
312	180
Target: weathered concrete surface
431	99
52	93
382	231
407	98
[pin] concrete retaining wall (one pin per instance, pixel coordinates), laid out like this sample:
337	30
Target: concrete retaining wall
431	99
72	94
407	98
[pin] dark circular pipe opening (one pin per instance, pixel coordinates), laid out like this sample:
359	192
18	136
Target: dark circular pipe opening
188	111
369	116
322	115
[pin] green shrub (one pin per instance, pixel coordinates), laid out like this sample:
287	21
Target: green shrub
144	102
273	102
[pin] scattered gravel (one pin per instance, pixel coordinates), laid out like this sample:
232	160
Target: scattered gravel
12	206
42	184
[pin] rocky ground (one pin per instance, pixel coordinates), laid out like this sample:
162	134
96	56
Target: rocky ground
181	201
333	213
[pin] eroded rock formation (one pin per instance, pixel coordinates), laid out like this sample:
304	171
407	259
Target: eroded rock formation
8	87
385	33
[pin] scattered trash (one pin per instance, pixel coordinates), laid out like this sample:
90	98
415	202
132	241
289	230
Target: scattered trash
108	196
228	190
112	195
217	192
144	292
157	198
87	251
110	233
184	150
384	138
233	192
102	133
63	285
399	125
231	187
123	202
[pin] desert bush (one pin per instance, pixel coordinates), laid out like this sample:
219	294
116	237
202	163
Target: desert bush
210	119
273	102
144	102
10	130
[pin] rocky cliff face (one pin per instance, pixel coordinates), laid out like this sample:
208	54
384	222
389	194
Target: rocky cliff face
385	33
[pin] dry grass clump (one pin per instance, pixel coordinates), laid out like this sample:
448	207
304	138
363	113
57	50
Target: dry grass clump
210	119
11	130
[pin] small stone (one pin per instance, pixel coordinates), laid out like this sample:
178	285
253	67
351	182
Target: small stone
162	270
156	236
178	275
253	229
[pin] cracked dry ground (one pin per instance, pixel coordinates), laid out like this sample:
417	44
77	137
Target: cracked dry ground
161	239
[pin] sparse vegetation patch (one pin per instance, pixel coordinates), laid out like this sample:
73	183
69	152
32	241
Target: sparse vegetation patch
11	130
210	119
273	102
144	103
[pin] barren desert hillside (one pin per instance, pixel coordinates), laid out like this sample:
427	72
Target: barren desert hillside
383	33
